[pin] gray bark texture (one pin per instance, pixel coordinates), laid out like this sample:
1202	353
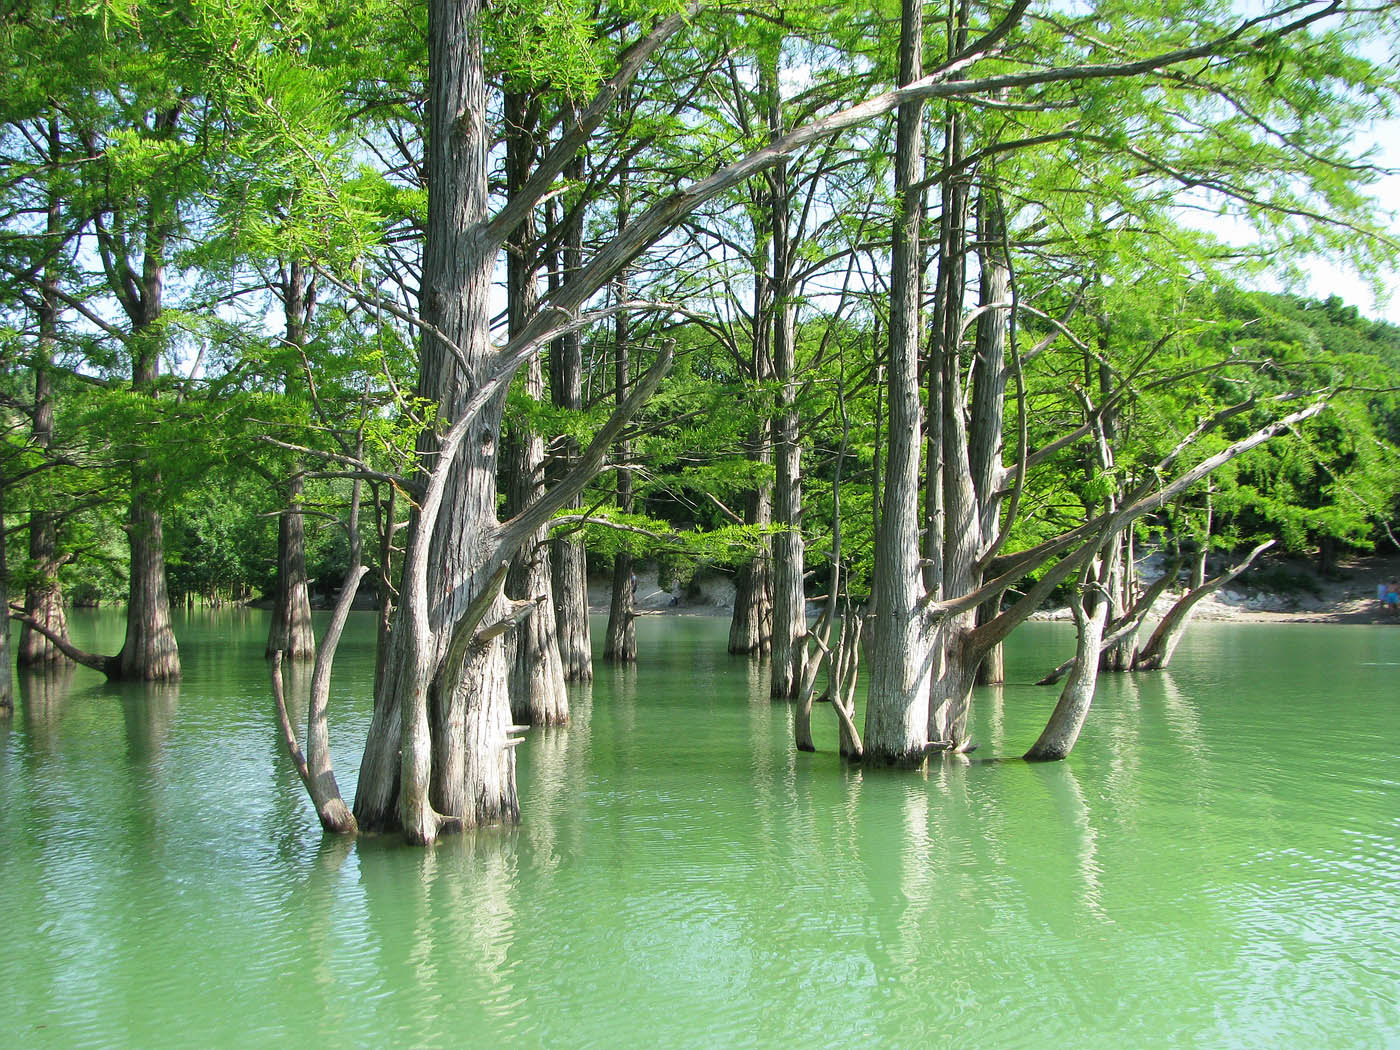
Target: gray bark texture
896	713
43	596
568	564
536	677
290	631
438	753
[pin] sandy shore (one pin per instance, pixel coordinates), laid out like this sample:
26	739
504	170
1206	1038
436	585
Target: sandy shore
1347	597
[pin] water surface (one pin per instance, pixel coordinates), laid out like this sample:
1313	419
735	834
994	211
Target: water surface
1218	864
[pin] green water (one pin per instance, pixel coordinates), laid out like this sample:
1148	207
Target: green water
1217	865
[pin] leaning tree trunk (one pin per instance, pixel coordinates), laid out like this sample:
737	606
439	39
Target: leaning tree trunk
896	713
1157	653
43	595
568	561
1062	730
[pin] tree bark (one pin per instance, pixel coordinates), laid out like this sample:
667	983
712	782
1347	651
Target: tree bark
7	682
620	642
1062	730
536	677
43	596
751	625
291	632
438	754
1160	647
896	714
568	562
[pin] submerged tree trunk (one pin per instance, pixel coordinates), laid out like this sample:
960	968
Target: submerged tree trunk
568	562
1157	653
751	625
789	562
290	631
7	682
620	643
43	595
789	601
537	694
1062	730
896	713
438	754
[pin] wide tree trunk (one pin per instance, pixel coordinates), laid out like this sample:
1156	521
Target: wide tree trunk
896	713
438	753
149	651
568	562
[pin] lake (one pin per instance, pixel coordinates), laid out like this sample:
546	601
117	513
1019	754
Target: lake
1218	863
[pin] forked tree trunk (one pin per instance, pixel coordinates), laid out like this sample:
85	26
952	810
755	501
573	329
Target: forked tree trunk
896	713
536	677
1157	653
568	562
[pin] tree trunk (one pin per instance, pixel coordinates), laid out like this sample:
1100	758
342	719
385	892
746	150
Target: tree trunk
291	632
43	596
971	466
620	643
789	563
896	713
1157	653
7	682
537	695
751	625
1062	730
438	753
568	562
149	651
